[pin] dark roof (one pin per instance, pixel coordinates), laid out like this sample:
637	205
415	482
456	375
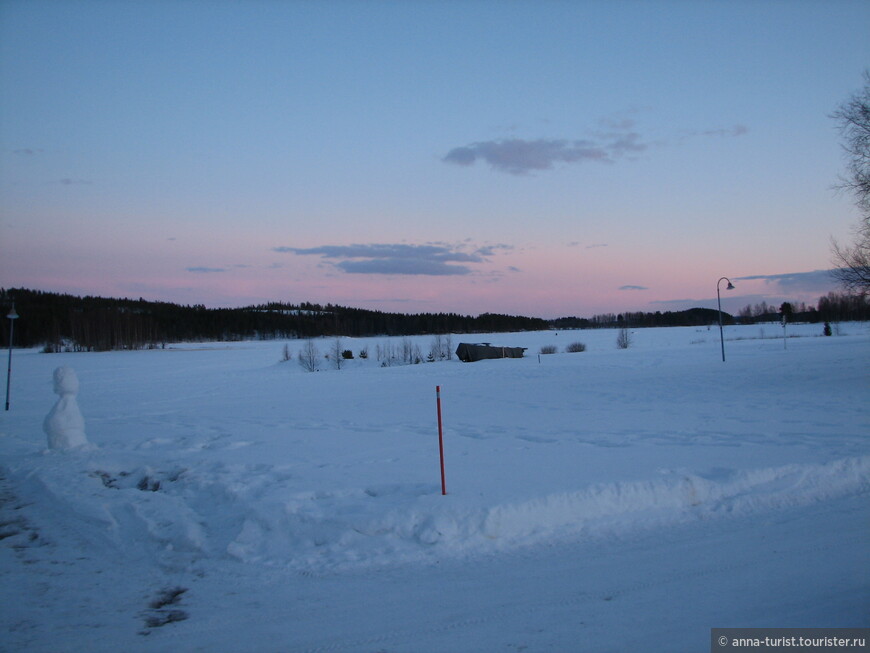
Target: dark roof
468	352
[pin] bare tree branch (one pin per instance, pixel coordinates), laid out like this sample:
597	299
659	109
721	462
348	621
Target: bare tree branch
853	262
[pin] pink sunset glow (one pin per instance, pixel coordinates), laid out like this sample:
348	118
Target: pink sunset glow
440	168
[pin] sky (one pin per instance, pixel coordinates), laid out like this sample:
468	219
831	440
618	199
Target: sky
544	158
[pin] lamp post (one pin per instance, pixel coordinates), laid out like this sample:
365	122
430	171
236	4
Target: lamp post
12	317
719	300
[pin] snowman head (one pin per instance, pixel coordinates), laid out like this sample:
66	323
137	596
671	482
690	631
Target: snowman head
65	381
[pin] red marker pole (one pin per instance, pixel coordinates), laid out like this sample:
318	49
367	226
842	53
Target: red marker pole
440	439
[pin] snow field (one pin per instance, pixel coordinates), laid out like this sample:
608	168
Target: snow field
219	458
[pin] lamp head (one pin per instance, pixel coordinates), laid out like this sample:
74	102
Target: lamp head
730	286
12	314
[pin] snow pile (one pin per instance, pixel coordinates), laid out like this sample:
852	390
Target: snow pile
183	515
322	529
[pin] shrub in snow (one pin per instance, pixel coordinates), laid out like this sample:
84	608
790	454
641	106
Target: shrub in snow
308	357
441	348
64	424
575	347
623	339
347	354
827	330
335	354
548	349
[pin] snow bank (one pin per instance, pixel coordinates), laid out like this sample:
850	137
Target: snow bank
326	531
181	515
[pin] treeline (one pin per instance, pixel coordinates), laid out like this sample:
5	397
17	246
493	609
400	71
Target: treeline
833	307
62	322
690	317
843	307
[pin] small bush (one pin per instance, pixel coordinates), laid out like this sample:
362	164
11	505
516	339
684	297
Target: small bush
549	349
623	339
309	356
364	353
440	348
575	347
347	354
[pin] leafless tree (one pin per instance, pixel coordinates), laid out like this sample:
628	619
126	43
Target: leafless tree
436	348
335	354
852	262
407	351
309	356
386	352
440	349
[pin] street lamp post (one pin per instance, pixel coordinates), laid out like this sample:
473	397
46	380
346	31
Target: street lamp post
12	317
730	286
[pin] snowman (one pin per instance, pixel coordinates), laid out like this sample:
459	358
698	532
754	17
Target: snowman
64	425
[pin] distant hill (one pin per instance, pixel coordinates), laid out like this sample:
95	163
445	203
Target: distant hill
690	317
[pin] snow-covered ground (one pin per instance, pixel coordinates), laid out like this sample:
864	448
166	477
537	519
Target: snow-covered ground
610	500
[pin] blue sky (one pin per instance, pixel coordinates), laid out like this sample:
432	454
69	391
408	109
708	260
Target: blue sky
543	158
